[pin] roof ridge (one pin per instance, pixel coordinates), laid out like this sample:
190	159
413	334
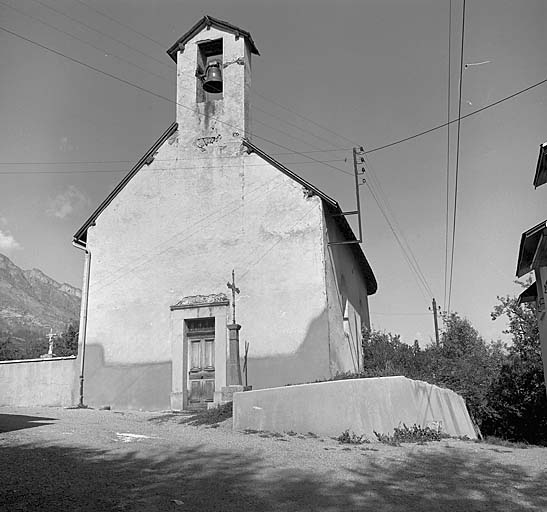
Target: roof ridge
209	21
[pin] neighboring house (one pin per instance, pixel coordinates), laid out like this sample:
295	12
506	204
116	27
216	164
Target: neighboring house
202	201
533	258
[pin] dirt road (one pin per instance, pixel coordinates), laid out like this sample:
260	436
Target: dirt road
54	459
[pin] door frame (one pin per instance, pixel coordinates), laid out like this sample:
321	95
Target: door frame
201	337
197	306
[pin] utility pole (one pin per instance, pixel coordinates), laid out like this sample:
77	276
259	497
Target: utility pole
359	173
434	308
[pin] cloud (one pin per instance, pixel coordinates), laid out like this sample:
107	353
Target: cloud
7	242
67	202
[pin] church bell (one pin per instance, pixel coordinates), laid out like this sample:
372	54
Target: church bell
212	82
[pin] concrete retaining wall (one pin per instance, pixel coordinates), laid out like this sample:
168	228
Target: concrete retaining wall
361	405
31	382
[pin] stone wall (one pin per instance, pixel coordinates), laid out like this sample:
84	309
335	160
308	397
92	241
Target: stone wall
46	382
360	405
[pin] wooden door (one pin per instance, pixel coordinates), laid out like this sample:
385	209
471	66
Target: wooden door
201	369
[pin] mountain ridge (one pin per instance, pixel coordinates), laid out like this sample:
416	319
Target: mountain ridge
33	300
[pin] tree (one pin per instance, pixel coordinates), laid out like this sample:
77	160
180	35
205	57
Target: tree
517	398
384	355
465	363
66	344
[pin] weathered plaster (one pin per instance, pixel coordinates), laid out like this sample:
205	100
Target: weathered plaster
221	123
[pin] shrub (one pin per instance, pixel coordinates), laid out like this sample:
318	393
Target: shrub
348	437
414	434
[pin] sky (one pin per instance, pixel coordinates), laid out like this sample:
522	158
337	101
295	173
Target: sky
331	75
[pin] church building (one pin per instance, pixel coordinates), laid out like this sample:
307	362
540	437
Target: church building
157	327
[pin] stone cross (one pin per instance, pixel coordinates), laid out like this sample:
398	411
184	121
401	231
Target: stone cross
235	290
50	336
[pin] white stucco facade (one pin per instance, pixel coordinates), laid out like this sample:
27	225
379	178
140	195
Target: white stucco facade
202	205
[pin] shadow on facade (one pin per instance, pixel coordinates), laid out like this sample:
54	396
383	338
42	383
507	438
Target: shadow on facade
144	386
9	422
62	478
308	363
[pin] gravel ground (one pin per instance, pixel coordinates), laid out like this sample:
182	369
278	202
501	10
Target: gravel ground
54	459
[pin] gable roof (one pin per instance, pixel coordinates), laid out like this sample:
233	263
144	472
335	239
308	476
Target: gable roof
533	248
206	22
333	208
541	169
81	234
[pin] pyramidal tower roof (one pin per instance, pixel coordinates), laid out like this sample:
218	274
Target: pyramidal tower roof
207	22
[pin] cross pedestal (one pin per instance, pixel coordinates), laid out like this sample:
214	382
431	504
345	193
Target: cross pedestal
233	367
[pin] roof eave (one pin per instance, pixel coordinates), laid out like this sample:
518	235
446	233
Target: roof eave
278	165
370	279
81	234
529	242
343	224
529	295
209	21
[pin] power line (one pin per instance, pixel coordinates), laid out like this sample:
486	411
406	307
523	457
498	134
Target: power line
457	162
378	148
413	264
422	285
379	198
75	20
96	162
219	215
448	102
458	119
120	23
98	48
281	239
160	96
176	168
110	54
299	128
296	152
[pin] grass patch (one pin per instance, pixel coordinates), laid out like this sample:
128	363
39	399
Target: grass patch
498	441
270	434
211	416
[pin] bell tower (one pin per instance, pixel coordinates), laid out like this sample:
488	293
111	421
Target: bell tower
213	80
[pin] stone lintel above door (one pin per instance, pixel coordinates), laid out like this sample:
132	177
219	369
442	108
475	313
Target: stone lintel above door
201	301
